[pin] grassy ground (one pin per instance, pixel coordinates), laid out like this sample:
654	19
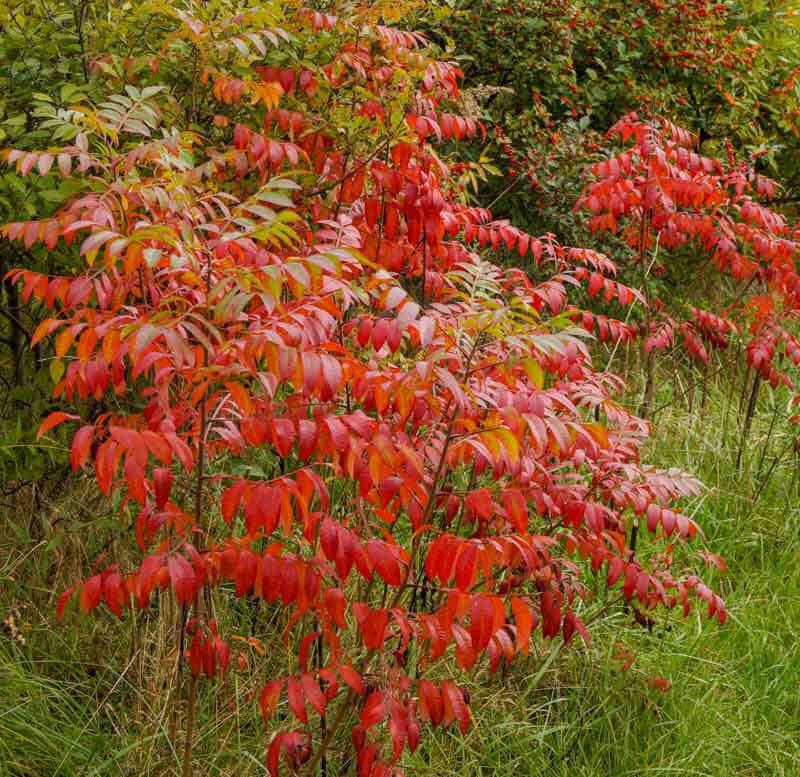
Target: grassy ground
733	709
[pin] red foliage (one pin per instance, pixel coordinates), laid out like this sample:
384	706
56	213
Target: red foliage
448	467
659	193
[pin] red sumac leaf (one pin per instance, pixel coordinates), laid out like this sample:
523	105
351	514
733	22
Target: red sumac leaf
162	481
81	446
385	562
231	498
455	707
551	614
374	710
90	593
523	618
334	604
283	435
53	420
374	628
313	693
351	678
480	616
246	568
430	702
615	568
63	600
296	700
183	577
465	567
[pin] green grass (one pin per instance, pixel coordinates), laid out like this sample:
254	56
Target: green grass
50	726
733	709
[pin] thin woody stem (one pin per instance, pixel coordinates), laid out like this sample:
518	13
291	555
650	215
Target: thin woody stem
198	521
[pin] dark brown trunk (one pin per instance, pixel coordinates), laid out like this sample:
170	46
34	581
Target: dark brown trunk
748	419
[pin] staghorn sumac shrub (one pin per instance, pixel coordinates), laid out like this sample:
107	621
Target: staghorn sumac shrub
666	199
449	471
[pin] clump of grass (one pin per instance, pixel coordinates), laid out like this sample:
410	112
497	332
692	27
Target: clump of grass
51	726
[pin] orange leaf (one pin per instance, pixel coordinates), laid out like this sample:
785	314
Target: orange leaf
53	420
